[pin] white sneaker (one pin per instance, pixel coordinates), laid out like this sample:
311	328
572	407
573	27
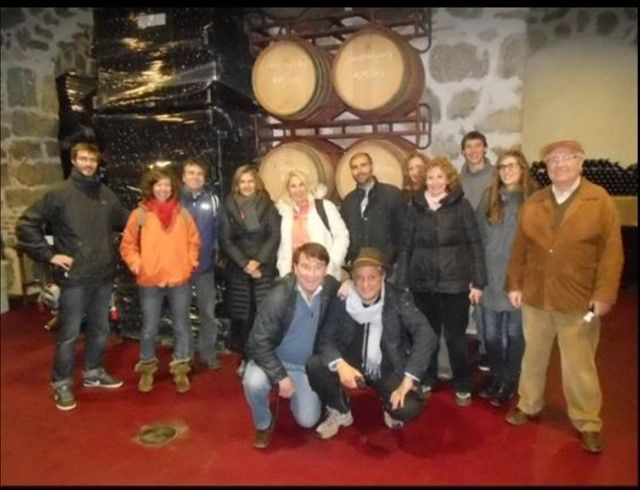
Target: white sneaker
333	422
393	424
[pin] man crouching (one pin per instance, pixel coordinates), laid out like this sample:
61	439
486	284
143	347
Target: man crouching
376	337
283	337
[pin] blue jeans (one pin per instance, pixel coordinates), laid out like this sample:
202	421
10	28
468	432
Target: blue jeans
505	343
206	299
75	302
305	403
151	305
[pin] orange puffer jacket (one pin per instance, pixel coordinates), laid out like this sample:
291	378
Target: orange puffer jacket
158	256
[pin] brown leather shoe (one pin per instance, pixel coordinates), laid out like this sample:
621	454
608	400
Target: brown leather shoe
518	417
262	438
591	441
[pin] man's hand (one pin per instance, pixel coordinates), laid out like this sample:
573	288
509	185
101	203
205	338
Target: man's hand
516	298
399	394
286	388
599	308
348	374
62	260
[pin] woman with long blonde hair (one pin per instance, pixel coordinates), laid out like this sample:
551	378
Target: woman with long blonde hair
307	217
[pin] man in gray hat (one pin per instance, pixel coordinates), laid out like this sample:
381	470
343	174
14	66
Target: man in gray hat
375	337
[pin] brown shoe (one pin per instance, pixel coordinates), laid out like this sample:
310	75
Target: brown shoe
518	417
591	441
262	438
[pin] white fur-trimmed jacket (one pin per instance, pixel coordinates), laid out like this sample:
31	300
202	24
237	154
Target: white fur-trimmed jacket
336	241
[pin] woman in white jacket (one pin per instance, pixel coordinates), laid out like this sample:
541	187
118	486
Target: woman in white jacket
302	223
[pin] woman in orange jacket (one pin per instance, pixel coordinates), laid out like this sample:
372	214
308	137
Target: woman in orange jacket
160	246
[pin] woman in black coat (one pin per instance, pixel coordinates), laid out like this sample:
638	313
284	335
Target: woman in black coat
442	263
250	235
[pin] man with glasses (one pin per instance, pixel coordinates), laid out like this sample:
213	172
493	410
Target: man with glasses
564	273
83	214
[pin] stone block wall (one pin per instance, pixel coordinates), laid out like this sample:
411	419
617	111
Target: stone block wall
38	44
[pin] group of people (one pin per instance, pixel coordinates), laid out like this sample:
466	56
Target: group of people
323	299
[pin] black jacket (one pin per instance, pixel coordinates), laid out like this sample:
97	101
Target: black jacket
83	214
241	245
273	320
407	337
441	251
382	223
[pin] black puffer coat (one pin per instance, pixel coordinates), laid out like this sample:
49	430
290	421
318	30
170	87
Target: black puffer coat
441	251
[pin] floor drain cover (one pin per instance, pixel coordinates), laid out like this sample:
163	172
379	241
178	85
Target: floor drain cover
157	435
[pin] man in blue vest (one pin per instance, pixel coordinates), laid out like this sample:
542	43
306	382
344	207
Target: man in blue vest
203	206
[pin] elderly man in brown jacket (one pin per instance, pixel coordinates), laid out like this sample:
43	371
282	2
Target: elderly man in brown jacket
565	272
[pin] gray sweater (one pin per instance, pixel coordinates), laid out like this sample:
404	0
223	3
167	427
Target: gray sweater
497	240
475	183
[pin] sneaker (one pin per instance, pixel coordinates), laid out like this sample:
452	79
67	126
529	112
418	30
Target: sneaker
240	368
63	396
333	422
502	396
483	363
393	424
102	379
463	398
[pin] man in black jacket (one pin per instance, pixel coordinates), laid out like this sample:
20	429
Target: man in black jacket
283	336
83	214
373	212
376	337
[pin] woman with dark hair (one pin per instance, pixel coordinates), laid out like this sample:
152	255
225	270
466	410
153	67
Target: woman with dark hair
249	236
497	219
415	166
441	261
160	246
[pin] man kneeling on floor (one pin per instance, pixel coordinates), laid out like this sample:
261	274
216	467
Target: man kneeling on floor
283	337
376	337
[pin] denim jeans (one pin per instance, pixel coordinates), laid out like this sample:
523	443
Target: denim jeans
305	404
478	317
206	299
505	343
92	301
151	305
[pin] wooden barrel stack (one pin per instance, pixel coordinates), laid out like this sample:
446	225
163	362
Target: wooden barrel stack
375	74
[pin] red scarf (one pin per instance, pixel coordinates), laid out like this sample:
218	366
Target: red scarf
163	210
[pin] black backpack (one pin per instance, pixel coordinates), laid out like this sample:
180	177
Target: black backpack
323	214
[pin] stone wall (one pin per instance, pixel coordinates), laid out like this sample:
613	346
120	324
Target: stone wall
38	44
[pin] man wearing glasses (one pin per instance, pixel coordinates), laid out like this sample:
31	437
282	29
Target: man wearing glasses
564	273
83	214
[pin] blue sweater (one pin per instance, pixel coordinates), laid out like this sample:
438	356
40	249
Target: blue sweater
204	208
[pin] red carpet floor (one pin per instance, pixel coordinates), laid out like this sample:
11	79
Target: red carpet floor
96	444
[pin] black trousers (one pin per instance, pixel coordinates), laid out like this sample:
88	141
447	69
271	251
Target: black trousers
331	392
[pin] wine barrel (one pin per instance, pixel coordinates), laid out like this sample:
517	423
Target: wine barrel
377	72
388	153
316	158
292	81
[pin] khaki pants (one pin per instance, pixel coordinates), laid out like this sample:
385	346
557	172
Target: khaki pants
578	342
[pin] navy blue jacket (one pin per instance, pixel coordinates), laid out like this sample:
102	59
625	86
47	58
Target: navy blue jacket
204	209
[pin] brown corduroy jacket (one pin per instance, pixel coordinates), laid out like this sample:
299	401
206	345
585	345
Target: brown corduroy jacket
563	270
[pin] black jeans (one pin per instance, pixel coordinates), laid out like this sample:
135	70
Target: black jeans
331	392
451	312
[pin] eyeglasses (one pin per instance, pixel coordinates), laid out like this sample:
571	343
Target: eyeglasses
508	166
560	158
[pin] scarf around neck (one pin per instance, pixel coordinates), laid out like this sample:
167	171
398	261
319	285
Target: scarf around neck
163	210
371	318
248	207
